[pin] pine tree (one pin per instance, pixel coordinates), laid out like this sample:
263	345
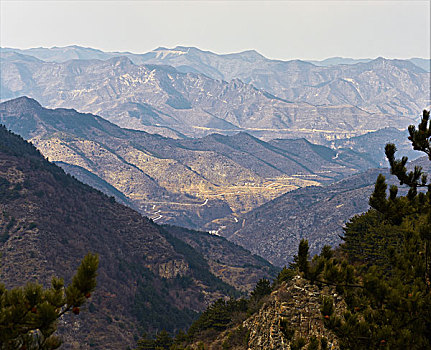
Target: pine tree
390	247
262	288
145	343
29	314
163	340
420	139
300	261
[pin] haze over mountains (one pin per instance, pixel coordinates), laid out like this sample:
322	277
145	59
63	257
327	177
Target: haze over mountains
252	120
233	185
73	52
423	63
208	93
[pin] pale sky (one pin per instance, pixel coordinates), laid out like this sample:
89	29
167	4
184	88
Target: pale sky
277	29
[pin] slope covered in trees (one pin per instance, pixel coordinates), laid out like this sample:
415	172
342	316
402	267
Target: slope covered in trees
147	278
374	292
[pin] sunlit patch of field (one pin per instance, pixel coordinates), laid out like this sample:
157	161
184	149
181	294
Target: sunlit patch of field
243	198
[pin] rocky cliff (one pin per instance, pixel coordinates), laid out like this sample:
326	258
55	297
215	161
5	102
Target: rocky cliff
291	315
292	312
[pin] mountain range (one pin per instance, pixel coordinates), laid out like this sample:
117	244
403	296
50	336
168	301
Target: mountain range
189	92
260	195
261	153
423	63
73	52
258	107
197	183
149	278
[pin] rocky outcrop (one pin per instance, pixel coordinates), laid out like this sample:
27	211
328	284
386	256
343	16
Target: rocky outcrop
173	268
295	305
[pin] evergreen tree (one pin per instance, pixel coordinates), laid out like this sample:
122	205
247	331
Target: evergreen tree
262	288
163	340
285	275
421	203
29	314
145	343
388	289
300	261
216	317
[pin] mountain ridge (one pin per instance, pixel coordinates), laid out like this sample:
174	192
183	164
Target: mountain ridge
318	214
147	278
317	103
423	63
187	182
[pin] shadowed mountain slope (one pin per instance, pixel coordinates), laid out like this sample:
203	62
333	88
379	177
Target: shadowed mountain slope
148	279
318	214
232	263
373	144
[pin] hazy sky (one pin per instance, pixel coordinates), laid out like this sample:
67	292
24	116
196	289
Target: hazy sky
277	29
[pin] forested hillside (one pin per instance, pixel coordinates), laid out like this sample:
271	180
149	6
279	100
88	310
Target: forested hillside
147	278
373	292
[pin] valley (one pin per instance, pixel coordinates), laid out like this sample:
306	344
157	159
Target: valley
149	278
275	229
197	183
215	175
264	194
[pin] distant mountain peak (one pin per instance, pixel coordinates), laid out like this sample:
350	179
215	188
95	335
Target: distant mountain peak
184	48
161	48
163	52
7	53
401	64
181	50
121	60
251	53
243	135
23	102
